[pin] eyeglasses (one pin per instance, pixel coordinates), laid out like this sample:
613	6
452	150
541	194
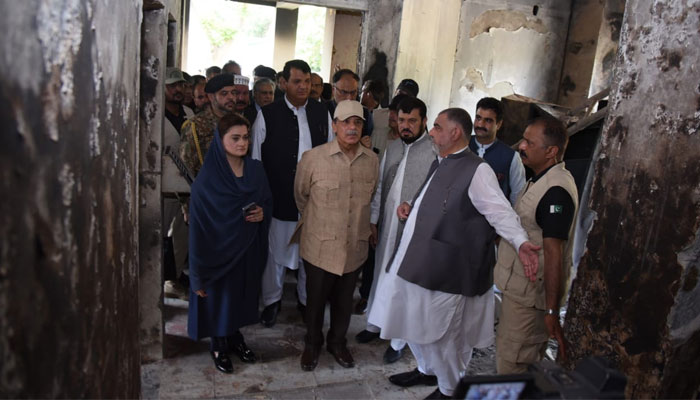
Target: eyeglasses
352	93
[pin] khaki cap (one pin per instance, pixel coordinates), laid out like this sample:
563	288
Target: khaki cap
348	108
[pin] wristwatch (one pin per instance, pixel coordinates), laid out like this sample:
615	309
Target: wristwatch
551	311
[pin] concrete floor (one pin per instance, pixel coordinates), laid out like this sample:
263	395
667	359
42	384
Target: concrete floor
188	370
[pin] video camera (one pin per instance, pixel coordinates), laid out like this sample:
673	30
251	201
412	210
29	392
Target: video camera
591	379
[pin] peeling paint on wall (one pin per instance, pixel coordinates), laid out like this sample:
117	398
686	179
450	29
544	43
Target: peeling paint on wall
94	136
67	179
509	20
60	32
512	50
476	82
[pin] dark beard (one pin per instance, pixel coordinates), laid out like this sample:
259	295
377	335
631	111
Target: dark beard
410	139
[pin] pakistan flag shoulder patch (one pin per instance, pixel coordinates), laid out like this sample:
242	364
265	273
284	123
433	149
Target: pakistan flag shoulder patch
556	209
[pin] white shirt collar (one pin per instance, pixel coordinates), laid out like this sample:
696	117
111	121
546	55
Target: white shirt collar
483	146
293	107
456	152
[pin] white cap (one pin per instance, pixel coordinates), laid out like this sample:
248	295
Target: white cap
240	80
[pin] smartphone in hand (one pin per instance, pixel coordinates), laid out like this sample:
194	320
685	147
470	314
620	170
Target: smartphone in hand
249	208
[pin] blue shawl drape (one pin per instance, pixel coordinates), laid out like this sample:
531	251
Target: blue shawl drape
219	235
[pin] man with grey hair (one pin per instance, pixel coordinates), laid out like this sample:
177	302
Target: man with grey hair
316	86
263	92
443	264
333	188
212	71
231	67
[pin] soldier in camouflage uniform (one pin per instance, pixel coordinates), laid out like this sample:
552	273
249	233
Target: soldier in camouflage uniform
198	132
202	126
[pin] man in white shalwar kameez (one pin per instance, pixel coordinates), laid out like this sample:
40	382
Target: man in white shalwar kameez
427	278
403	169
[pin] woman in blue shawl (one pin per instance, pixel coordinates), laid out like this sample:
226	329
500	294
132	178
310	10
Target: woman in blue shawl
228	242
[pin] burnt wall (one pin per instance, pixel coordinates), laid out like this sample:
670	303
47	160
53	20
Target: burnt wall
606	50
381	27
581	44
509	47
154	38
635	299
68	218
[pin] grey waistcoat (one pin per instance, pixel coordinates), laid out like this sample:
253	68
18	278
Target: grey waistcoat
452	245
420	156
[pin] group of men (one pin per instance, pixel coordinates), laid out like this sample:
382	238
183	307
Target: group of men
433	207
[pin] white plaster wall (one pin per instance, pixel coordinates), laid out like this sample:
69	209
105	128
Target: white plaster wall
346	40
174	9
328	31
429	31
504	49
285	37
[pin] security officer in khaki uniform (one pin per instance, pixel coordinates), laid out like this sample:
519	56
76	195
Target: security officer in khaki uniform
546	207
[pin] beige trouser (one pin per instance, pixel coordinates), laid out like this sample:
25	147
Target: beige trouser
521	337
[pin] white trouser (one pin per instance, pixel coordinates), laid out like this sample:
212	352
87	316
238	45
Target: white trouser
282	256
273	281
396	344
448	357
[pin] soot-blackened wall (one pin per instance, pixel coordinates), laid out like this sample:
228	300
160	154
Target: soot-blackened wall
636	298
68	181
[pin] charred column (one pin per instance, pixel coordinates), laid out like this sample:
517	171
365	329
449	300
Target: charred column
635	297
69	209
154	41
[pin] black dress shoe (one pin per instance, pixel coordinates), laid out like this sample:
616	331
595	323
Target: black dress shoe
269	314
413	378
437	394
391	356
366	336
360	307
309	358
244	353
342	356
222	362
